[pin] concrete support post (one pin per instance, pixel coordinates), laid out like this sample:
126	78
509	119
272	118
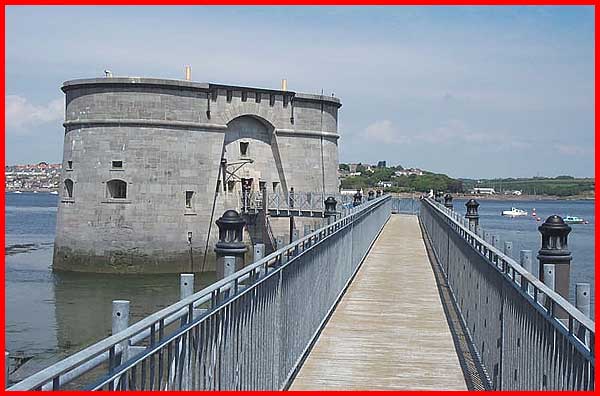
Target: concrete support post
479	231
527	263
186	285
555	251
582	298
508	248
487	236
495	240
228	266
120	321
258	251
295	234
549	277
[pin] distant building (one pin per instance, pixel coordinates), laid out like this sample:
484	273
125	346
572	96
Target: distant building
408	172
484	191
514	192
384	184
350	192
381	164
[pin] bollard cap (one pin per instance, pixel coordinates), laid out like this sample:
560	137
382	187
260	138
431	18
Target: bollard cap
230	219
555	225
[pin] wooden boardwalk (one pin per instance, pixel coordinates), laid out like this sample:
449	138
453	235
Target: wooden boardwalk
389	330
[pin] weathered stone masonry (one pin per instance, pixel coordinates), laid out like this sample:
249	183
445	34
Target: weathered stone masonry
141	161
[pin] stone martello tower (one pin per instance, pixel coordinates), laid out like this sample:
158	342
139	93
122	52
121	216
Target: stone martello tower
142	159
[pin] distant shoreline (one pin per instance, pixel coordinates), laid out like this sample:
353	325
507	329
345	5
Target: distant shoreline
502	197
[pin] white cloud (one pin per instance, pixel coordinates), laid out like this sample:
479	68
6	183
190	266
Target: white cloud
573	150
22	115
385	132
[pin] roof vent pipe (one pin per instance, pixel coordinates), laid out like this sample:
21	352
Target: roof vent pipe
188	73
284	85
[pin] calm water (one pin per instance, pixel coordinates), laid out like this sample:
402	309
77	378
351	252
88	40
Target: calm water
51	315
523	232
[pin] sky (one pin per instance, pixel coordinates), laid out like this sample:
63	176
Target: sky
475	92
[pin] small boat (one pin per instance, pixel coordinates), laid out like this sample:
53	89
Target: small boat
574	220
54	192
17	192
514	212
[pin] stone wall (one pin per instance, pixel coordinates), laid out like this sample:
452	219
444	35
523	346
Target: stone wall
163	138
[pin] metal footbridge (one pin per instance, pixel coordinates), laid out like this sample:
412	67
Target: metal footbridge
372	300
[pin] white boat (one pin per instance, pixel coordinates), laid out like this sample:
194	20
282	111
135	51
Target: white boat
54	192
17	192
514	212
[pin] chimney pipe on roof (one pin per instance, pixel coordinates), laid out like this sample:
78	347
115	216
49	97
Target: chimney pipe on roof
284	84
188	73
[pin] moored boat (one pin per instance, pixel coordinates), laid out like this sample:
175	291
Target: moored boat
514	212
574	220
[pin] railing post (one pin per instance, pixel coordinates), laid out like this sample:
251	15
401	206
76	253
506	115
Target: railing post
230	244
495	240
472	213
555	251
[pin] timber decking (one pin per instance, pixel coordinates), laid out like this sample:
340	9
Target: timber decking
389	330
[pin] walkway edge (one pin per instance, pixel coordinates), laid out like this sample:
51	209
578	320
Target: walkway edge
290	379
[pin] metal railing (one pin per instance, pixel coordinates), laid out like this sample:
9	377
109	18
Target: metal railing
405	205
511	316
248	331
306	201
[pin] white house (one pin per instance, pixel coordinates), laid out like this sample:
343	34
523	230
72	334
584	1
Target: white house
484	191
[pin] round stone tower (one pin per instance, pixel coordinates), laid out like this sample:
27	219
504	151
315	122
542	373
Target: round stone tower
148	162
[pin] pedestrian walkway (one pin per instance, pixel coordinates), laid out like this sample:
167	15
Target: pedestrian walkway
389	330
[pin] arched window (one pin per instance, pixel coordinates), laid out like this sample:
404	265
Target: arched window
116	189
68	188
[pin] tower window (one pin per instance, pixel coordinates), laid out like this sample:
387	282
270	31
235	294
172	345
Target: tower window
214	95
68	188
230	185
244	96
70	165
116	189
188	199
271	100
229	95
257	97
117	164
285	100
244	148
275	185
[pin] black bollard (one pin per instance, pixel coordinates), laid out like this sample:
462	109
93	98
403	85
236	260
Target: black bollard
230	248
330	209
555	250
378	194
448	201
371	196
472	214
357	199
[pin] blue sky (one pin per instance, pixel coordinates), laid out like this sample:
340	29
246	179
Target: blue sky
467	91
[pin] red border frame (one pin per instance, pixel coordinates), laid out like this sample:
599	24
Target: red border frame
297	3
